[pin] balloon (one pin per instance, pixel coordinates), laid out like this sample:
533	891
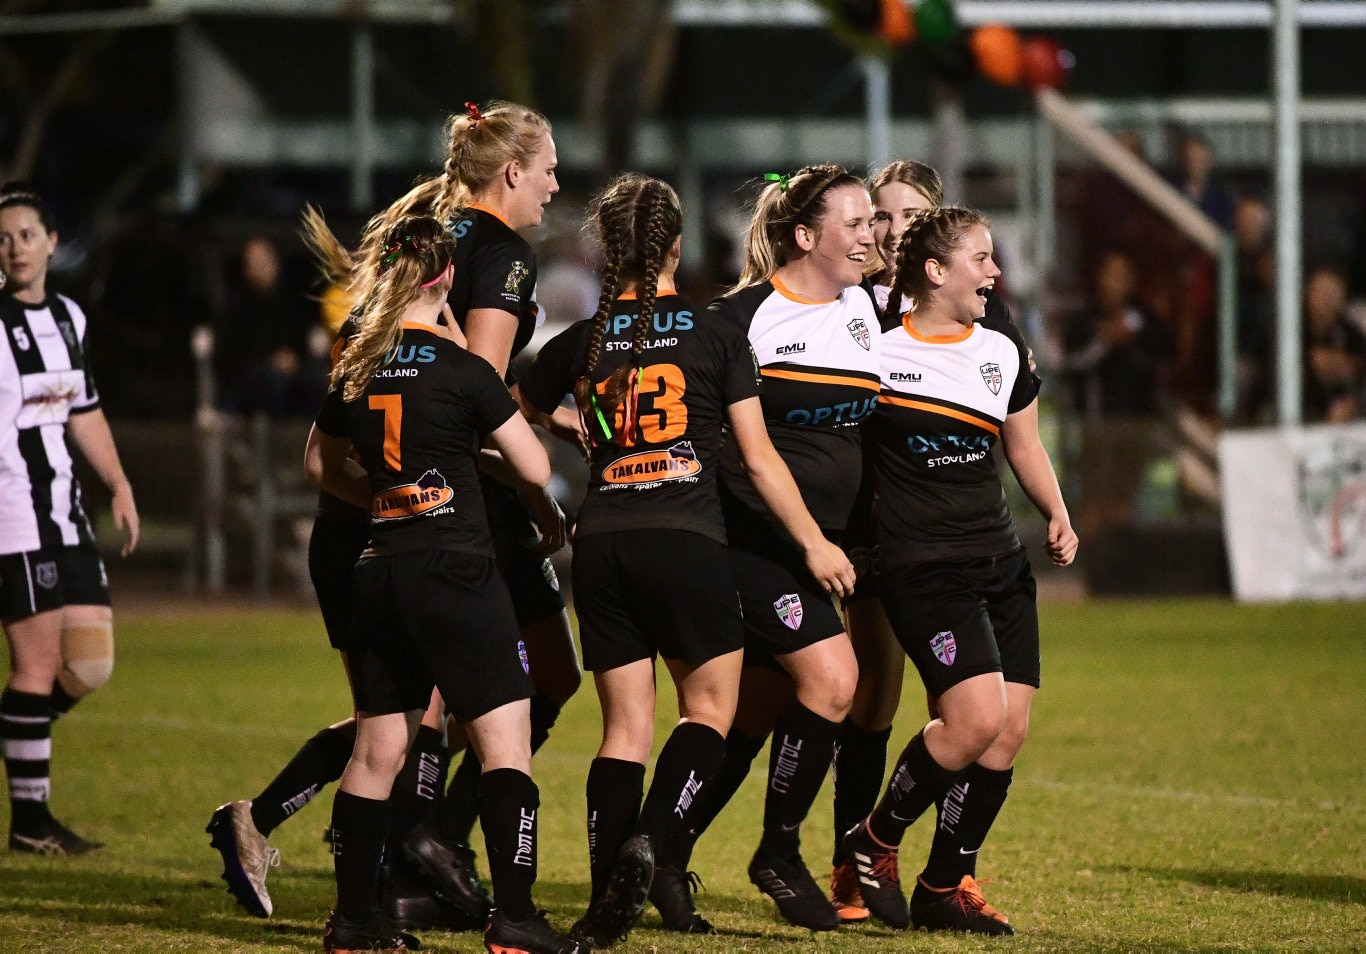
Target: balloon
896	26
934	22
998	53
1044	63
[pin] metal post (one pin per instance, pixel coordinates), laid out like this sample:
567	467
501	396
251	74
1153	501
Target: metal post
187	162
1228	328
1285	79
877	86
267	495
693	195
362	116
1044	226
950	137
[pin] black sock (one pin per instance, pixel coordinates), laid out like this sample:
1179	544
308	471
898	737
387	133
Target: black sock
860	763
359	828
966	814
26	738
418	785
918	781
320	762
741	751
459	810
62	701
803	747
685	767
508	802
613	793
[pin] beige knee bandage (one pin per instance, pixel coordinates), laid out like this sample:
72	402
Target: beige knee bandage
87	656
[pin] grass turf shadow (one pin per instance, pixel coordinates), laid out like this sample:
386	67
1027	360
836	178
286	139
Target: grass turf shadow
1342	888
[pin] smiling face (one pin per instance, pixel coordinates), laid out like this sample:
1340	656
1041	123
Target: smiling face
536	184
25	247
839	243
961	284
893	204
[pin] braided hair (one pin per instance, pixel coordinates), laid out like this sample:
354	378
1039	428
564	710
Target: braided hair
787	202
929	234
414	254
636	220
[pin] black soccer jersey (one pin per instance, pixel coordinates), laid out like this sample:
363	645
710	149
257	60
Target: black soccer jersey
819	363
44	378
665	475
494	268
939	416
418	429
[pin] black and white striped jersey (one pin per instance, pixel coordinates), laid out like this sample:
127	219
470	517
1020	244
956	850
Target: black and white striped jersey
44	378
819	365
939	417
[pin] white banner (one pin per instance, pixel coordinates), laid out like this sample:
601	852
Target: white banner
1295	511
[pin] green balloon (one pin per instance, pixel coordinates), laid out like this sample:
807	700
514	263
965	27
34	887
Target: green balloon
934	22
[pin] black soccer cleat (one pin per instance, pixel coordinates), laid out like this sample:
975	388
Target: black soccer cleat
671	892
50	837
961	908
788	882
878	880
411	904
375	933
450	870
532	936
610	918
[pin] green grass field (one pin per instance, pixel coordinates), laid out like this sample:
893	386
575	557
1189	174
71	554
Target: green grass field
1194	782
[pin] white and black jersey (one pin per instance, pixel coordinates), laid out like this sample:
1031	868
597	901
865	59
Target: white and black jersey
819	364
943	402
44	378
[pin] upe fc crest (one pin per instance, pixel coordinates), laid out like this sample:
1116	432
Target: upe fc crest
789	610
945	647
858	330
991	375
1330	487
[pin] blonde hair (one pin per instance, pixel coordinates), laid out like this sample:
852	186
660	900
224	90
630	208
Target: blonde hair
413	254
787	202
920	177
929	234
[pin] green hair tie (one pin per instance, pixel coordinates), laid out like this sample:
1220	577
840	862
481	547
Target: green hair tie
779	178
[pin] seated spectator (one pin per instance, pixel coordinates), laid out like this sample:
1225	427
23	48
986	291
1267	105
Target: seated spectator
1334	350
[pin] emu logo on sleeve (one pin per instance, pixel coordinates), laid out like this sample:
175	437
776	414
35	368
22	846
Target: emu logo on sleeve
45	574
516	275
991	376
789	610
945	647
412	500
858	330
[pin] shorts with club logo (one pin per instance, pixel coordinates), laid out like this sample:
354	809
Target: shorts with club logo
435	617
639	593
957	620
48	579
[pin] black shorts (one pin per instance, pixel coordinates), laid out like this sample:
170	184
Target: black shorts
786	608
333	549
48	579
642	592
435	617
529	575
962	619
867	561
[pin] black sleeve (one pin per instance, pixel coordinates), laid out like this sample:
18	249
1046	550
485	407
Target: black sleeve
488	397
557	366
1027	382
502	275
741	379
332	418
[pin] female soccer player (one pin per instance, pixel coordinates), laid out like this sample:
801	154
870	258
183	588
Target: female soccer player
429	607
955	581
654	379
54	597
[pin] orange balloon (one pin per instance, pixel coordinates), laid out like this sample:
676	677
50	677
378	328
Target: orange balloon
896	25
998	52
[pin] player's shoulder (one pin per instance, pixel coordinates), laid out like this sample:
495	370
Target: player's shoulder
740	306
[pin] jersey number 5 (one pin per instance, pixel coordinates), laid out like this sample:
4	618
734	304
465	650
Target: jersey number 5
392	406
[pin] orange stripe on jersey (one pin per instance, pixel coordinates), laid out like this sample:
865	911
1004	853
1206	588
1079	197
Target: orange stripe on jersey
632	295
940	409
790	295
821	378
493	212
935	339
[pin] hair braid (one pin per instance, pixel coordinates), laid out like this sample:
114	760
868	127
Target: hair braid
933	233
584	391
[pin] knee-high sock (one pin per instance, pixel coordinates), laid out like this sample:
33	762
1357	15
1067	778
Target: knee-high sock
26	737
966	813
359	828
741	751
418	786
802	750
685	767
918	781
320	762
860	763
508	803
457	812
613	793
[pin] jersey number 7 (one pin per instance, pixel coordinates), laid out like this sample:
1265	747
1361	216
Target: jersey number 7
392	406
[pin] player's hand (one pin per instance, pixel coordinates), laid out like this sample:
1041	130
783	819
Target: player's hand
567	425
831	567
550	520
1062	541
126	517
448	328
